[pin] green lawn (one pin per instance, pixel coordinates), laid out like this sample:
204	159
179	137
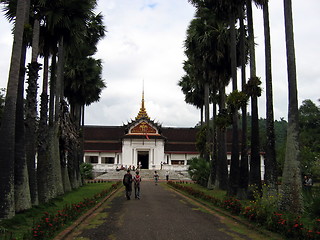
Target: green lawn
23	222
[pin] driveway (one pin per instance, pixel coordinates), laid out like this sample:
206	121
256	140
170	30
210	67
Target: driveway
160	214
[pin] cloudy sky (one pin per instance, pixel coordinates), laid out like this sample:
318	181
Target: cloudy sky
144	46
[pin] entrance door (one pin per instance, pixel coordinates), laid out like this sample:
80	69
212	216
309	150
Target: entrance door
143	157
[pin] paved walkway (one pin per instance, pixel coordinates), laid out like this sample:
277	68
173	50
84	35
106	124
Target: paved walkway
161	213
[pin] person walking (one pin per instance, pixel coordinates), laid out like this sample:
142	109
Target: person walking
127	182
156	177
137	181
167	175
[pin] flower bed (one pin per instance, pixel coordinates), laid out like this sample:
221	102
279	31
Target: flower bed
261	213
50	223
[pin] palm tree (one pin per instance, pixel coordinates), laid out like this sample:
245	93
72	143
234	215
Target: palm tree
83	87
31	112
270	161
7	130
255	92
192	90
22	193
66	24
222	122
244	168
22	187
291	187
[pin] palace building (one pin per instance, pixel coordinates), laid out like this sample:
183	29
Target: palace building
144	142
141	141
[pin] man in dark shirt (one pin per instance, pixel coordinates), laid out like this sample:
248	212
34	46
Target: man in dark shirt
127	182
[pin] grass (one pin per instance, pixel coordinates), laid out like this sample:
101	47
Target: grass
23	222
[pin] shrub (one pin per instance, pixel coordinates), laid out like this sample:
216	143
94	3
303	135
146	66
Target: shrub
233	205
199	170
86	170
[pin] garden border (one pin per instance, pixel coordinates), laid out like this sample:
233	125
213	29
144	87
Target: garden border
214	210
65	233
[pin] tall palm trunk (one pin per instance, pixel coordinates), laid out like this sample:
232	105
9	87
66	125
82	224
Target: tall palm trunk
53	79
201	116
234	168
56	171
270	161
21	179
291	187
75	157
244	168
31	114
255	161
222	164
207	121
7	130
43	135
214	144
207	117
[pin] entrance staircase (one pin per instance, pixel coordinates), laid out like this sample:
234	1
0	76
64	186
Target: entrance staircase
146	174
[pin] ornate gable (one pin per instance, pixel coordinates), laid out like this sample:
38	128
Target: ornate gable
142	125
143	128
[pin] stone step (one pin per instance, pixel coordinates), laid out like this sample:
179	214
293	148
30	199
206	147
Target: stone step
146	174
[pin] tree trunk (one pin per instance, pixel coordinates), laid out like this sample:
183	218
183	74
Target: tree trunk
31	114
207	120
58	114
234	168
291	187
49	170
201	116
222	162
214	144
7	143
53	80
31	138
244	168
270	161
21	179
255	162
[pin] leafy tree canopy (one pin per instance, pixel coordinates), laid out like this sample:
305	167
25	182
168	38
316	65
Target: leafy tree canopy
309	121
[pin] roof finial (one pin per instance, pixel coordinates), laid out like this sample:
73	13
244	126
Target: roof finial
142	113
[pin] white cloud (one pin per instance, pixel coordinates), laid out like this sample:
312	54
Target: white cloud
144	42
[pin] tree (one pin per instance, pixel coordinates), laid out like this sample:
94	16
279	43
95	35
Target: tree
270	161
31	109
7	130
67	26
192	89
291	187
309	125
21	179
254	92
244	164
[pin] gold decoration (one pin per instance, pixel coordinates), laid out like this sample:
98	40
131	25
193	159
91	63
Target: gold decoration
142	113
144	128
